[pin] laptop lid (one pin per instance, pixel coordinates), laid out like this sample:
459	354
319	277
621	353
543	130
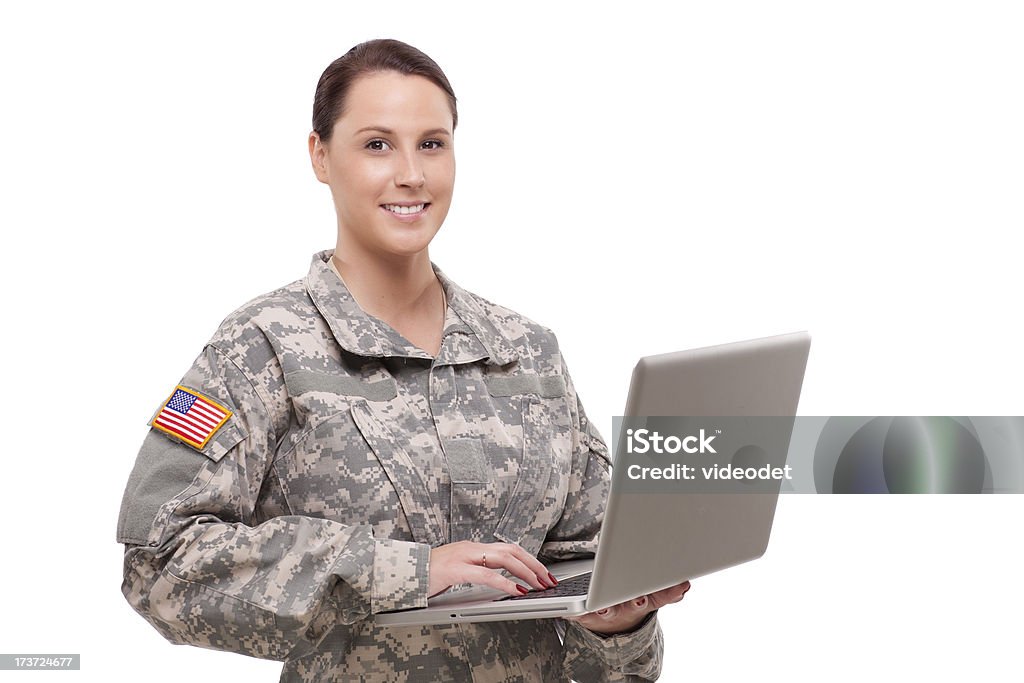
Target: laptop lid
653	540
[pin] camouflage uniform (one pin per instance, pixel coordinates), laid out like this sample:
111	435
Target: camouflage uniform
348	455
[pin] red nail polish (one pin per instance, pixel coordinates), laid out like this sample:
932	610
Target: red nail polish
522	589
553	579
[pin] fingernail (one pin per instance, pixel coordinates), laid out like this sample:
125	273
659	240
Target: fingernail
553	579
522	589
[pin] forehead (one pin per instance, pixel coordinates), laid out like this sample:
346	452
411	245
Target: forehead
395	101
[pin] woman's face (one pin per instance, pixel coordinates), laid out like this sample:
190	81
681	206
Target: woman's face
390	164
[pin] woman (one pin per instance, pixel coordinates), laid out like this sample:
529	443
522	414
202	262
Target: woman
372	434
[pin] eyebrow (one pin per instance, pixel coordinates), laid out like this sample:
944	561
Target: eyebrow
388	131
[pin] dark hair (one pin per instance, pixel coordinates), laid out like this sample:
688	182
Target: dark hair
384	54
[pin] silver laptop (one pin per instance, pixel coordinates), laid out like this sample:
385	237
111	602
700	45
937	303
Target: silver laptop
652	540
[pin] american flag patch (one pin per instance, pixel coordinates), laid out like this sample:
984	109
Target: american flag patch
190	417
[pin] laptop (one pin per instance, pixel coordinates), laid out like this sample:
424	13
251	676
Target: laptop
651	540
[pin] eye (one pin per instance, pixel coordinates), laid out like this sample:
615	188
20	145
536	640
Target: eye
377	145
433	144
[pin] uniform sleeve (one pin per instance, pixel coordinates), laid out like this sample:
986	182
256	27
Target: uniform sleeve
204	571
589	656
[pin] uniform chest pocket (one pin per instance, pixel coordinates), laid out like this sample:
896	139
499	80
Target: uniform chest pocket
352	469
538	497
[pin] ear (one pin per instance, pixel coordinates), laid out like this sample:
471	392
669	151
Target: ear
318	157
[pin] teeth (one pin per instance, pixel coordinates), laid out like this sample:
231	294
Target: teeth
395	208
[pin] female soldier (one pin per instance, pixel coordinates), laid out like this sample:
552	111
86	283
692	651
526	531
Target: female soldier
372	434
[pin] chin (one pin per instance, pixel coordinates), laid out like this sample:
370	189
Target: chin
401	250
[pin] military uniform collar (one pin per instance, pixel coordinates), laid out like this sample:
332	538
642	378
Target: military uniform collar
360	333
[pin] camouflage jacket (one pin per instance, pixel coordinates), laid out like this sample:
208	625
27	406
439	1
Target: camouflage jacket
334	456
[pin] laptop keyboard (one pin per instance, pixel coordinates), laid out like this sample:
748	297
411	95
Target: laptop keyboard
577	585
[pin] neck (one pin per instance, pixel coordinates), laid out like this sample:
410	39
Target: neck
389	288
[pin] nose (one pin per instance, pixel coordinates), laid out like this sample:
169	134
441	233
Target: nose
410	171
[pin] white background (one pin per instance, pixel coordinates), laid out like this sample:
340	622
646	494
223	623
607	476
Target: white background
641	180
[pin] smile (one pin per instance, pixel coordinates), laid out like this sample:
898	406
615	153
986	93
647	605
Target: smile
401	210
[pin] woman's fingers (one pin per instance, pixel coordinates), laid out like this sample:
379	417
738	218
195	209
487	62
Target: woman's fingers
590	619
534	565
517	568
615	618
488	577
626	615
669	595
516	560
471	562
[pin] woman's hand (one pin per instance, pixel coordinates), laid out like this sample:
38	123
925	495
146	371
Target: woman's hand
470	562
627	615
